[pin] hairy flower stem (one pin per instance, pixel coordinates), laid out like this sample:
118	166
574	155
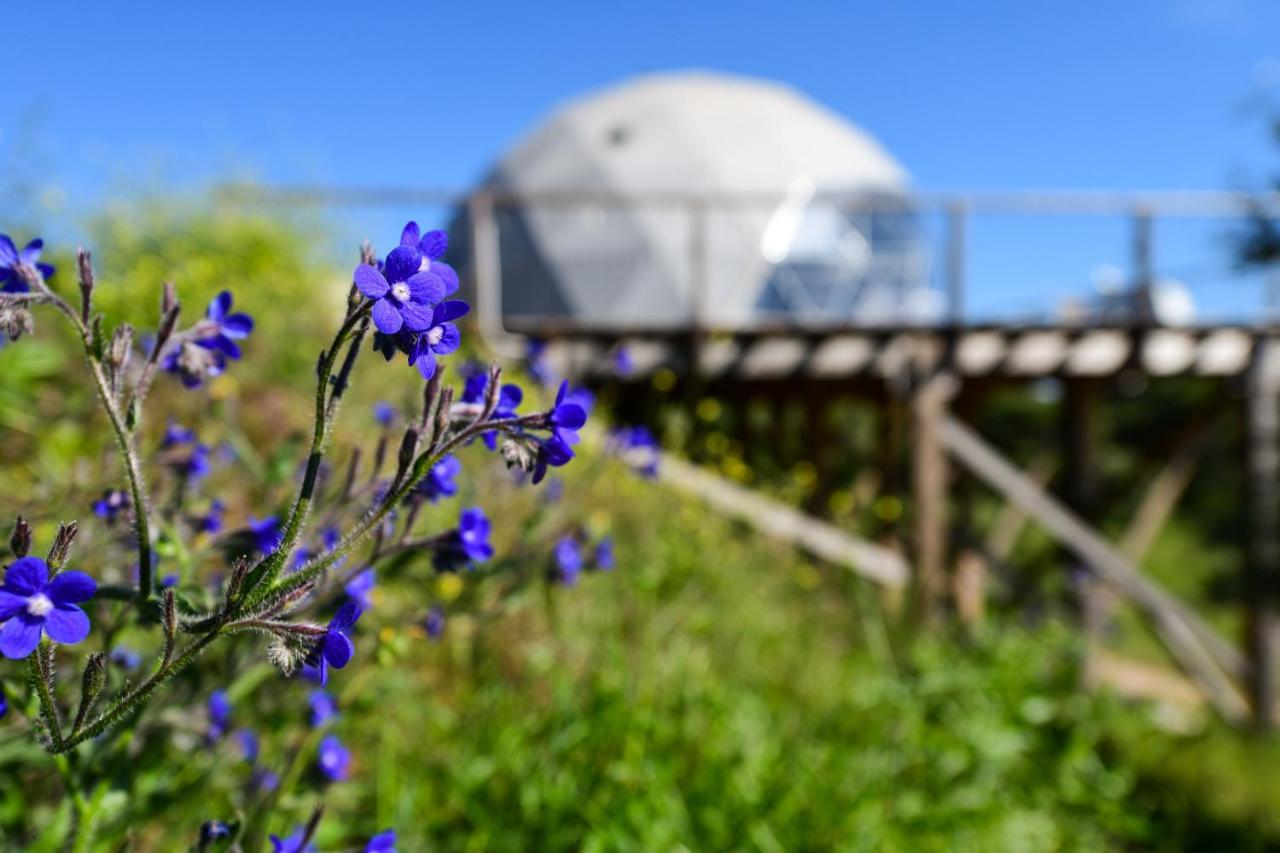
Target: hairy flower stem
139	696
265	573
42	680
313	569
124	438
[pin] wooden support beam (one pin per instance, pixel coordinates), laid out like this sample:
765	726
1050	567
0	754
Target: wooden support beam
786	523
1172	622
1165	489
929	491
1263	579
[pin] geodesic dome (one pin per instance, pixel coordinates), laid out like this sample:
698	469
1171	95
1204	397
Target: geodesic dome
731	200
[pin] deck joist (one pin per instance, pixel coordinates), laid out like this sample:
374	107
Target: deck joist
1028	353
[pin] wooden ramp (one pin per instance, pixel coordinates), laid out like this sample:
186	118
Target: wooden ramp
780	521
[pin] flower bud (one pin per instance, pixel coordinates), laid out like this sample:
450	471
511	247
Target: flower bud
517	454
62	544
84	262
20	541
121	345
15	321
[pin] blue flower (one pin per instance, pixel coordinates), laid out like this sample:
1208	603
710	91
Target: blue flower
622	363
604	554
434	623
221	329
111	504
383	842
213	830
566	416
552	452
323	707
126	657
441	337
11	280
219	714
4	703
334	759
432	247
266	533
438	482
568	560
295	843
360	588
195	466
536	362
211	522
176	434
330	537
384	413
248	745
466	544
32	604
638	448
334	648
402	294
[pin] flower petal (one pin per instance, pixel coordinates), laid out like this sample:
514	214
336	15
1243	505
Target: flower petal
402	262
26	576
219	306
417	318
451	310
346	616
20	636
568	416
386	317
434	244
449	275
8	251
11	604
31	252
370	282
70	587
237	326
450	340
409	236
427	365
221	343
426	287
66	623
337	649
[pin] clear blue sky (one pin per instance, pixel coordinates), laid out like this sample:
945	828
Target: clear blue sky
982	95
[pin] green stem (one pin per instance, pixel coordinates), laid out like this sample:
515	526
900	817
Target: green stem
44	692
266	572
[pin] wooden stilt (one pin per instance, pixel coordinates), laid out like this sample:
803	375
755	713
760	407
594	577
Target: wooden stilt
1264	547
929	492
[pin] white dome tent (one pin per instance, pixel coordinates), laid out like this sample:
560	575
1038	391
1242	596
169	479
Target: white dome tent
771	207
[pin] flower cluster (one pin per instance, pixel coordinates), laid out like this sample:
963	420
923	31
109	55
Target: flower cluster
202	352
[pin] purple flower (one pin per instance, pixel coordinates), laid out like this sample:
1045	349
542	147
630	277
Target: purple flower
219	714
11	279
402	294
248	745
604	554
265	533
193	362
110	505
383	842
438	482
466	544
434	623
567	416
638	448
509	399
176	434
568	560
552	452
432	247
194	466
213	830
334	759
295	843
441	337
383	413
323	708
360	588
211	522
622	363
32	604
264	781
221	329
334	648
125	657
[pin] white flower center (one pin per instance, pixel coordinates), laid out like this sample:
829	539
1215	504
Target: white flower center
400	291
435	334
39	604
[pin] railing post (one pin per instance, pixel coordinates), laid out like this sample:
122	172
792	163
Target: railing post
1263	579
957	221
698	282
1143	267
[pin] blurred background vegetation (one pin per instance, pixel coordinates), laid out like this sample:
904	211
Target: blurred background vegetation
716	691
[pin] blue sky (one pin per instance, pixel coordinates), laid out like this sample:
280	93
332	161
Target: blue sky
1132	95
